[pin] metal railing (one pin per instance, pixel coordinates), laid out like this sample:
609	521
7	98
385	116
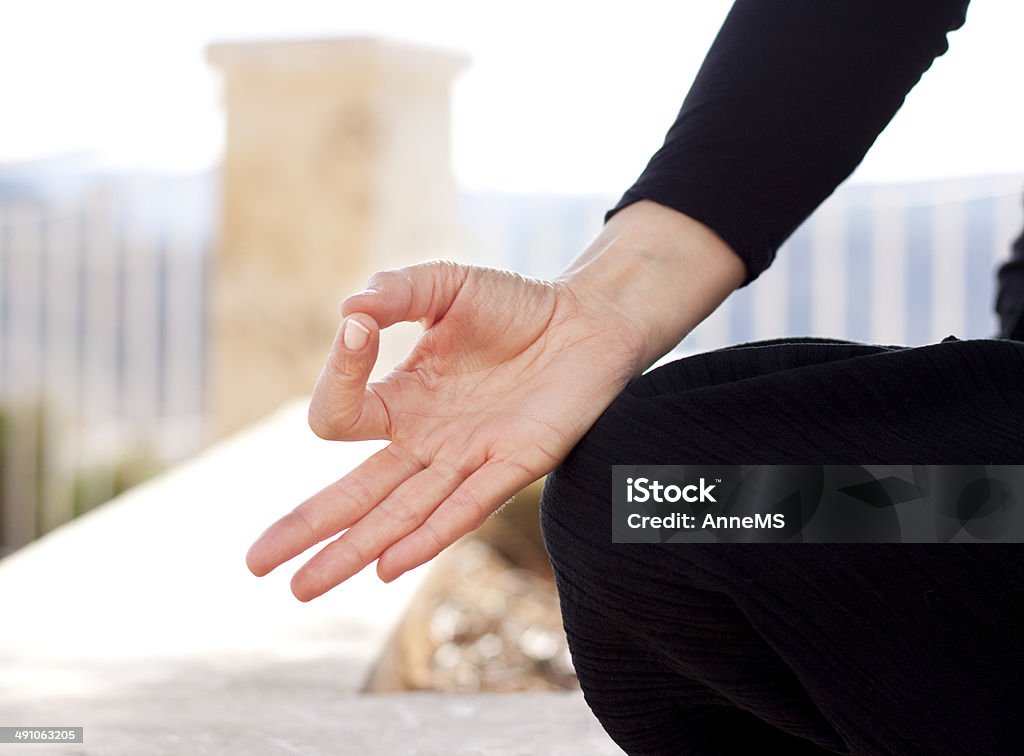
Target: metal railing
896	264
104	296
102	341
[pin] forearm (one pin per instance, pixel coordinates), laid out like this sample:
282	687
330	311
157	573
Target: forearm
661	270
790	97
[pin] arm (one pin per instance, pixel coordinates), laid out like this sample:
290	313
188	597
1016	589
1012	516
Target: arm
789	99
660	271
510	371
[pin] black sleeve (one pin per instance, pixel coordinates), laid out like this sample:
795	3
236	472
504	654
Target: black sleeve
788	100
1010	294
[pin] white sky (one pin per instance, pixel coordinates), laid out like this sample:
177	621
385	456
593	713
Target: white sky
560	97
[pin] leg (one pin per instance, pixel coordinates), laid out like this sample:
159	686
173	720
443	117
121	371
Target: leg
898	649
654	700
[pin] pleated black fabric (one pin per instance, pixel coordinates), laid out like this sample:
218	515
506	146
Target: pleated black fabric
802	648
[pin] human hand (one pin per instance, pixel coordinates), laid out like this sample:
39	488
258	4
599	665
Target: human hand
507	376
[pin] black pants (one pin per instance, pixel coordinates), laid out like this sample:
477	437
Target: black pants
802	648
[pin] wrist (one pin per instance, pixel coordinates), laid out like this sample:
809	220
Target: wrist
660	271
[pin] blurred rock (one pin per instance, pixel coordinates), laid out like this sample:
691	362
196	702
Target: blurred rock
486	618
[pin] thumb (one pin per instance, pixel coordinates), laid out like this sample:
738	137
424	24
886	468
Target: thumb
343	406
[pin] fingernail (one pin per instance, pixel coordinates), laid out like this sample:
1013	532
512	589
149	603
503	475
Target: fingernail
355	335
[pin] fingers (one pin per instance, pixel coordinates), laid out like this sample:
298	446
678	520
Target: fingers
401	512
464	510
343	407
331	510
421	292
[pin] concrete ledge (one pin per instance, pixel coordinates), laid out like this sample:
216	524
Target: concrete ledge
254	720
155	584
140	623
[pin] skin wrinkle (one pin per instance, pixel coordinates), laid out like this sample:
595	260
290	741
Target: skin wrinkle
428	529
341	548
403	511
457	278
389	426
363	495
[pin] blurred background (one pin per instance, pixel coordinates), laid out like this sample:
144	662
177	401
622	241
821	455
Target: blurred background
189	190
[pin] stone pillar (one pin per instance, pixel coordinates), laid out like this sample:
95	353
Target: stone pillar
336	165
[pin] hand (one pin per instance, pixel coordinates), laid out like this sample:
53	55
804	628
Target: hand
507	376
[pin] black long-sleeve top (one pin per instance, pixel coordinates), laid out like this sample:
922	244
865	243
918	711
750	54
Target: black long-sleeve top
790	97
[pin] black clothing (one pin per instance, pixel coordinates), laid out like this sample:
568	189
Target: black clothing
804	648
790	97
895	649
1010	296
